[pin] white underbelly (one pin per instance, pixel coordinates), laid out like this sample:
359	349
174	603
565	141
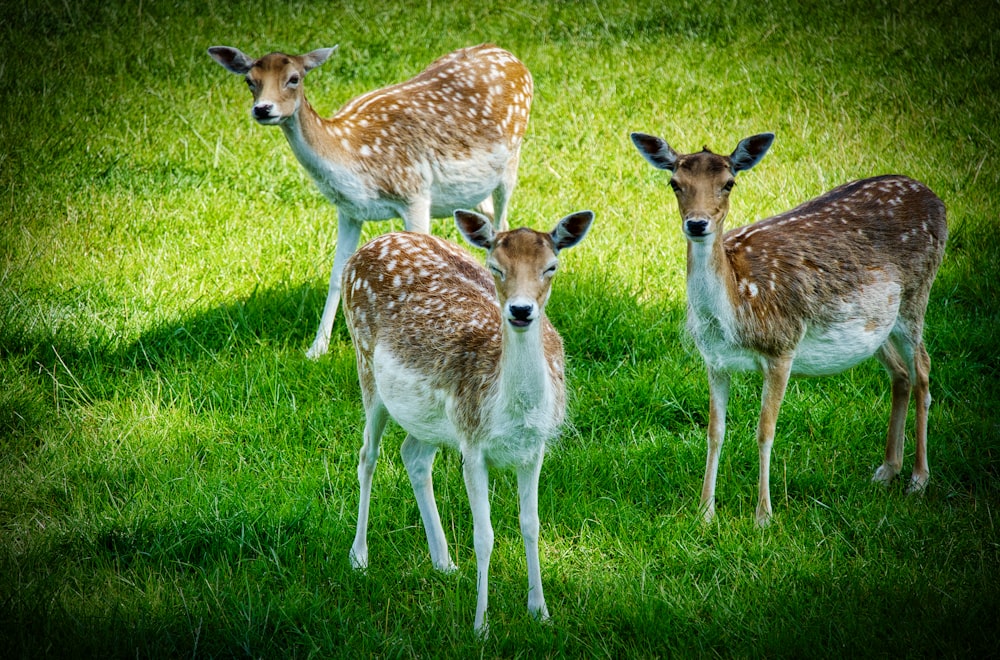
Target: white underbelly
464	183
857	329
838	347
851	333
411	399
371	208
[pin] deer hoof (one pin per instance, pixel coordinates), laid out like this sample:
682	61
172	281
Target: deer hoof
918	484
884	474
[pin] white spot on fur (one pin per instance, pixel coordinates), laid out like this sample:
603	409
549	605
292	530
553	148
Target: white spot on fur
748	288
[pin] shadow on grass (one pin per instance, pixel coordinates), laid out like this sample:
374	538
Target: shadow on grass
597	324
614	346
283	318
174	589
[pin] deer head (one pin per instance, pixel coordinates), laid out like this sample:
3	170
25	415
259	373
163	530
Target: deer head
702	181
275	79
522	261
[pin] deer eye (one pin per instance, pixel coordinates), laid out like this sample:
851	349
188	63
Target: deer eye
251	84
497	273
551	270
293	81
674	185
729	185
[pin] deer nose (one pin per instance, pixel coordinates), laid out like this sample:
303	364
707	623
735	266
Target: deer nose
262	111
520	315
696	228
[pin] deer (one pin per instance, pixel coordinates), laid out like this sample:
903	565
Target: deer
461	357
448	138
812	291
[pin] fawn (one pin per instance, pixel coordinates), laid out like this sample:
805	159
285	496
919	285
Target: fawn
461	357
812	291
448	138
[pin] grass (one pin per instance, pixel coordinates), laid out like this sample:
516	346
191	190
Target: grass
177	479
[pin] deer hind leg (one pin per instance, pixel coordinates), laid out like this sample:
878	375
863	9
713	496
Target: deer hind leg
477	486
895	362
418	457
776	375
718	382
376	417
417	215
502	194
348	234
922	368
488	208
527	488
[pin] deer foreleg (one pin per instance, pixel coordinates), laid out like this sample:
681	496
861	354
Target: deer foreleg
527	488
477	486
348	234
718	382
776	374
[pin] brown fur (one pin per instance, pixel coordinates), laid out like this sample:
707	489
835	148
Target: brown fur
459	351
813	290
448	138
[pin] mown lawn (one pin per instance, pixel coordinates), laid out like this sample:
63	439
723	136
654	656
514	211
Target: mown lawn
177	479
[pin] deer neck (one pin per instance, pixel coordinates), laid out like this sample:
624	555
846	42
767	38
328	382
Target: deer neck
312	141
524	387
711	282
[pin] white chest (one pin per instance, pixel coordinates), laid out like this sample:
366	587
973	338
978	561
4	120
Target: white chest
518	427
712	322
716	342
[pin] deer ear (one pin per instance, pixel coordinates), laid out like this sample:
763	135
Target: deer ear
750	150
233	59
312	60
655	150
571	230
475	227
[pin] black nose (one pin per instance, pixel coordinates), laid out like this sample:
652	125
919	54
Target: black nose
262	111
520	312
697	227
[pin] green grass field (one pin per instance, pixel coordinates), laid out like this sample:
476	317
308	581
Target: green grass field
177	479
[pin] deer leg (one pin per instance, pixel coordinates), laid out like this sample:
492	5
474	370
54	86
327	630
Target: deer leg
922	367
376	418
418	457
348	234
718	383
527	488
776	374
502	194
891	358
417	215
488	208
477	486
